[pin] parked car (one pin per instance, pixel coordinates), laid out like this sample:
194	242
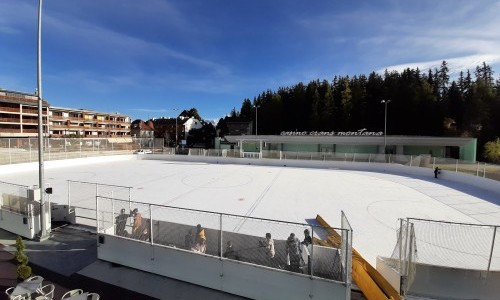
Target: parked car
143	151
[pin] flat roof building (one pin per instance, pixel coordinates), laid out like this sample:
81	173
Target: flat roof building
356	142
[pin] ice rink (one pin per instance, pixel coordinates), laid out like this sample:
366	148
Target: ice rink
373	202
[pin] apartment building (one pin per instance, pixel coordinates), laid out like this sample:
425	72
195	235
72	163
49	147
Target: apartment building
87	123
19	114
19	118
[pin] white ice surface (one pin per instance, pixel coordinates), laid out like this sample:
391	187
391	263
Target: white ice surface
373	202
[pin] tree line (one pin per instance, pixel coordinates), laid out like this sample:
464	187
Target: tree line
421	103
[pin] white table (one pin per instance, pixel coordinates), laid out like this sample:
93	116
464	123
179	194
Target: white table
27	287
82	296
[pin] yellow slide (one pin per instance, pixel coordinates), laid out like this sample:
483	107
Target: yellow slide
373	285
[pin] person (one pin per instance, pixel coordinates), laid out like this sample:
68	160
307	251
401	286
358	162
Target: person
137	225
230	252
436	172
293	252
268	244
121	222
189	240
307	238
201	239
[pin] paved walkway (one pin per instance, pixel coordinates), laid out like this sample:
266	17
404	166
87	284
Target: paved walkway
68	259
44	263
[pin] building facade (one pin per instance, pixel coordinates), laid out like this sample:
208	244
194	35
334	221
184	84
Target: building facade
444	147
19	114
19	118
87	123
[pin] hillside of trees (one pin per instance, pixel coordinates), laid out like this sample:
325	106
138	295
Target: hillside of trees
423	104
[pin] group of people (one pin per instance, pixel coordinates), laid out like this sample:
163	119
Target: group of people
139	228
292	248
198	242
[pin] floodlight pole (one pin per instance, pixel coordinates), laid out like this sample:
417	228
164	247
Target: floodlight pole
385	102
256	120
43	226
176	143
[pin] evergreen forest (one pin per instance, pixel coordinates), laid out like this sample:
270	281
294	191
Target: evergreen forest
421	103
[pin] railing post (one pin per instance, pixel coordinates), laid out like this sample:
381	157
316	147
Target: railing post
411	160
97	215
220	236
10	154
484	170
369	158
456	166
354	157
492	247
400	245
129	199
29	143
69	194
312	251
433	163
150	224
477	169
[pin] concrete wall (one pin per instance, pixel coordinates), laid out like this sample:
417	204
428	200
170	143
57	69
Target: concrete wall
14	222
479	182
441	282
438	282
7	169
234	277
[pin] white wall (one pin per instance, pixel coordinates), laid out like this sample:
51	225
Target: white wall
8	169
13	222
450	283
438	282
479	182
234	277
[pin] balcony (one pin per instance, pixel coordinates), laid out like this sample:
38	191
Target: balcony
10	120
10	109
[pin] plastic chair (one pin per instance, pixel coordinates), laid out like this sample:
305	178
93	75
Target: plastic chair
47	292
72	293
94	296
9	294
33	278
9	291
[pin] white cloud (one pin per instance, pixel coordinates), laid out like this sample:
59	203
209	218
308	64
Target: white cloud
455	65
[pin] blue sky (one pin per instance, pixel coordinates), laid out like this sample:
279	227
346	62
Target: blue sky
147	58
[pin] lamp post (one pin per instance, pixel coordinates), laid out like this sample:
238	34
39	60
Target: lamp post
175	109
256	120
385	102
43	217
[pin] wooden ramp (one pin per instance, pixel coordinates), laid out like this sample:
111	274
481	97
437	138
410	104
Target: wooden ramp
373	285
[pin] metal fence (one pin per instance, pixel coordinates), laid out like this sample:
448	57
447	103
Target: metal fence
15	198
18	150
446	244
82	198
227	236
479	169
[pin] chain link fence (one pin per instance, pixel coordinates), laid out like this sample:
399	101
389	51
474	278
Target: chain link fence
262	242
445	244
15	198
82	198
19	150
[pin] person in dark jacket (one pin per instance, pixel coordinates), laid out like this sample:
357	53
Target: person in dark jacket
436	172
230	252
121	222
307	238
293	252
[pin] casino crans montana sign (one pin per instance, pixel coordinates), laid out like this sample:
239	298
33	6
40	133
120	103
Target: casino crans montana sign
361	132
